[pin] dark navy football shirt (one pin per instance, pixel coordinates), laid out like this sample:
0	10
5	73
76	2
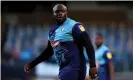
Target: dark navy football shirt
67	41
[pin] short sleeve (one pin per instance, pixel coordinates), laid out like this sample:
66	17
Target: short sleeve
108	56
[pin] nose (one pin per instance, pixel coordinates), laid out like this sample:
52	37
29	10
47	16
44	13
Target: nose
60	13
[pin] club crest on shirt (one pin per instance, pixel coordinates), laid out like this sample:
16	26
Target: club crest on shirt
81	28
55	43
62	29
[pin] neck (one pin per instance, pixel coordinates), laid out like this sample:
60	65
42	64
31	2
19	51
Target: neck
98	46
60	23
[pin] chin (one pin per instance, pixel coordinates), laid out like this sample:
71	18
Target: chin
60	21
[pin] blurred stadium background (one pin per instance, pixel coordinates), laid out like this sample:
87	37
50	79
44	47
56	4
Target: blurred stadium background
25	26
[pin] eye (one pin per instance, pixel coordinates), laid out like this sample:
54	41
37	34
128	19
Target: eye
62	10
58	11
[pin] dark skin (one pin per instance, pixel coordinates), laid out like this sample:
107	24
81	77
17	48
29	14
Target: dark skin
60	15
99	41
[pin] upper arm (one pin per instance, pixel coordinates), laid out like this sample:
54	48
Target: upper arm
49	47
77	30
110	64
108	56
48	51
80	34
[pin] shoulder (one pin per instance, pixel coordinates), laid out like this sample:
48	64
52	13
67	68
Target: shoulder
76	24
79	27
107	53
105	48
73	22
52	27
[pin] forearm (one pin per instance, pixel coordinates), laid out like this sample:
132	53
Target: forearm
111	71
89	48
42	57
45	55
81	36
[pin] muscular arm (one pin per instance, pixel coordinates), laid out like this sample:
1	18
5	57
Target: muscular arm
108	57
111	70
83	36
89	48
45	55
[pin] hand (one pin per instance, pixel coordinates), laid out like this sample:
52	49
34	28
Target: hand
97	65
27	67
93	72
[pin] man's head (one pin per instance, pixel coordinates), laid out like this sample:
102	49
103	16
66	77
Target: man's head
99	40
60	13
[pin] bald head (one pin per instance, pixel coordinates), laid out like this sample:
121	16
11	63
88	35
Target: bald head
60	13
59	5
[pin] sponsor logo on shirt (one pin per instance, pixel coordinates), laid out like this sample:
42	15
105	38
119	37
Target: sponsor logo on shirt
81	28
109	55
55	43
62	29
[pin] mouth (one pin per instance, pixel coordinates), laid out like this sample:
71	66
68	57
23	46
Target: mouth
59	18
